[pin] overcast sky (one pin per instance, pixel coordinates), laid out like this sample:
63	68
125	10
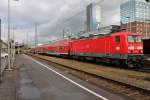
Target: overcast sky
52	16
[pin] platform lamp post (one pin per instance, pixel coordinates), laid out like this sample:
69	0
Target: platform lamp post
147	0
0	53
147	24
36	34
147	29
128	24
27	39
13	46
9	40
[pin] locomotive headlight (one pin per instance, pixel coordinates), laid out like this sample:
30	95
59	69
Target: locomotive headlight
130	47
117	48
140	48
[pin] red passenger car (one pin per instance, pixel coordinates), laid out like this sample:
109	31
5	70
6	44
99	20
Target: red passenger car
60	48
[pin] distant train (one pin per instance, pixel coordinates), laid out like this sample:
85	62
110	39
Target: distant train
121	48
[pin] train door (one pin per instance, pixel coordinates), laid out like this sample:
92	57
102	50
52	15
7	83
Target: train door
107	46
70	48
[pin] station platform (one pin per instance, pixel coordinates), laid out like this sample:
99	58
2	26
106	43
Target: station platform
35	80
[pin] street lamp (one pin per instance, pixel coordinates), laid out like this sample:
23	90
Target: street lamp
9	45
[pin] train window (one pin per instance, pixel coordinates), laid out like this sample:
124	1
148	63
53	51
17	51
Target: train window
130	39
117	38
136	39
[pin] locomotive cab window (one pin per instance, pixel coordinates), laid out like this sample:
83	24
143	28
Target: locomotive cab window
117	39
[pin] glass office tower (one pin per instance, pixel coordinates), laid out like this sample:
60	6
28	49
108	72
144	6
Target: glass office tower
93	17
135	16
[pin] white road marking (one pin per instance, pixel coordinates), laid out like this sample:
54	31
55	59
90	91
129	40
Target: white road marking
68	79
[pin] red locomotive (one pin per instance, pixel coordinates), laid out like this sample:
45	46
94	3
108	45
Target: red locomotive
118	48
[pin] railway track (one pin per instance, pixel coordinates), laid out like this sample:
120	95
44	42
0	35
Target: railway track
135	84
144	70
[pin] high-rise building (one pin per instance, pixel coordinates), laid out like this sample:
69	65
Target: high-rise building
93	17
135	17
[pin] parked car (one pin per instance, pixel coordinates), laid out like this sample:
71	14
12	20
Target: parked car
4	55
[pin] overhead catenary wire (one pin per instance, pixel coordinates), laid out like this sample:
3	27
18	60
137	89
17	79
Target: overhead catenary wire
67	21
